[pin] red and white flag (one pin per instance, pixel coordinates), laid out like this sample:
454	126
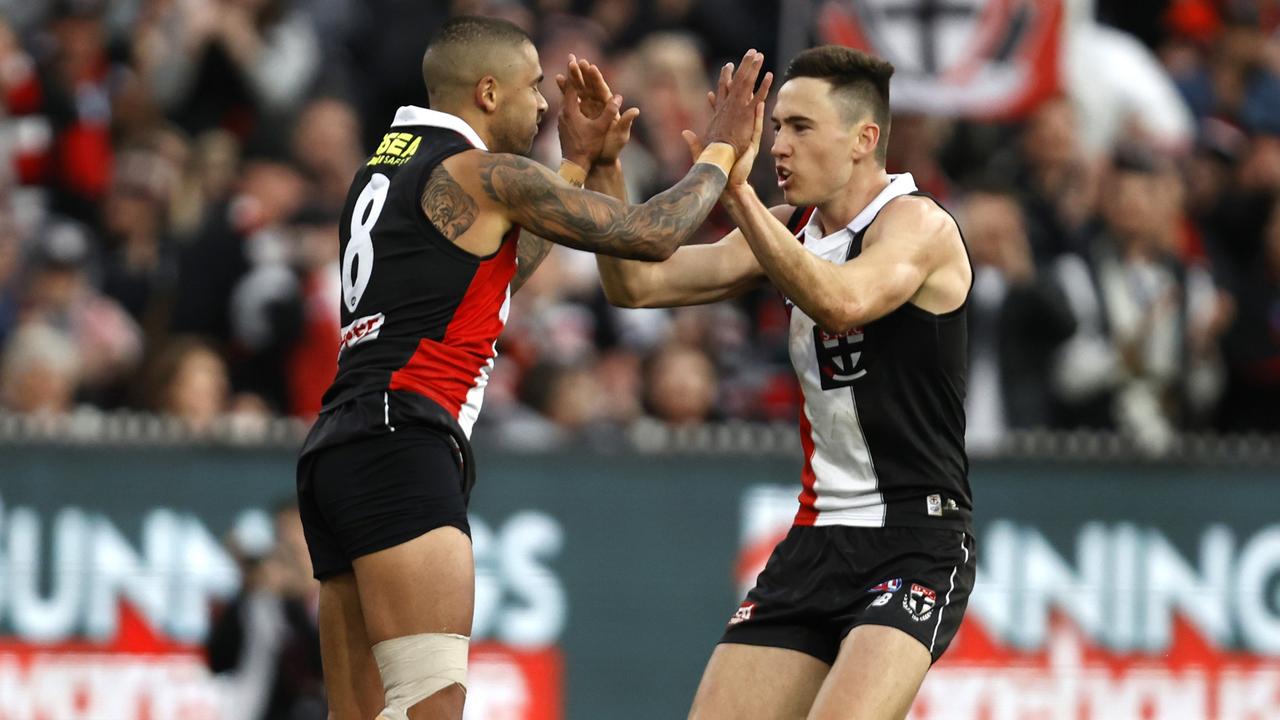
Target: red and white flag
985	58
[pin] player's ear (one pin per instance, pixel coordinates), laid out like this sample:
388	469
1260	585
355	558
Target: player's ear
486	94
866	138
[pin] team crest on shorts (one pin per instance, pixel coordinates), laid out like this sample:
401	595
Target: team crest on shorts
919	602
743	614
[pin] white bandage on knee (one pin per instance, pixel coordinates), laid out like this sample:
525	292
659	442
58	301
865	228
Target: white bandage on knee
415	667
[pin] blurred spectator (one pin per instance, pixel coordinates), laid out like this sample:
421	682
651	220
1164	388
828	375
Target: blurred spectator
567	395
681	385
1142	314
26	131
559	403
666	77
619	377
10	252
40	371
566	35
244	231
1210	178
59	292
1018	318
264	645
188	380
1228	73
1120	89
70	104
311	362
238	65
1252	343
1057	182
326	147
728	26
914	146
140	267
386	67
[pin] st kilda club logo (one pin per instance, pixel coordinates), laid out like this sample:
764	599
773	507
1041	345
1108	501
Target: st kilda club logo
838	356
919	602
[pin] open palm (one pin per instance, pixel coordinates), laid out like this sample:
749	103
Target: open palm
584	80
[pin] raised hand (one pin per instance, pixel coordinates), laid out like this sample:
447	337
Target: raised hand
742	167
582	135
593	95
737	103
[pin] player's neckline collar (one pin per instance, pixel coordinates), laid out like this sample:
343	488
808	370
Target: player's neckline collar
899	184
412	115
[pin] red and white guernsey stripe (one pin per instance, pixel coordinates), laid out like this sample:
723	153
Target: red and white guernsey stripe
454	371
840	486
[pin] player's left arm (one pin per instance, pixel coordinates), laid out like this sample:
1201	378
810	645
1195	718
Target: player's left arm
910	240
585	92
532	249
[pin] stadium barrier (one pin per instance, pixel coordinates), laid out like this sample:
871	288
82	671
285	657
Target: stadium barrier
1111	585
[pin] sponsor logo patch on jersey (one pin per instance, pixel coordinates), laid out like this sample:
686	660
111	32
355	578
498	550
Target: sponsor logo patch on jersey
882	600
361	330
919	602
889	586
743	614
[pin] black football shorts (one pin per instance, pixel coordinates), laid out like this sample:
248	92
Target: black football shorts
821	582
378	491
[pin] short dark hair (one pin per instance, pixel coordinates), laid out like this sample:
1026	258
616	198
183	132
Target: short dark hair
459	41
475	28
862	80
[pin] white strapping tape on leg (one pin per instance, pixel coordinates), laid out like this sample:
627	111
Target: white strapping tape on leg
415	667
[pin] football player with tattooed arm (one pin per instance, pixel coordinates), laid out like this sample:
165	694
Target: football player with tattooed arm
868	588
435	237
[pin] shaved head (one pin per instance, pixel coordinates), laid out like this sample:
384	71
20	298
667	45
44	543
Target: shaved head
466	50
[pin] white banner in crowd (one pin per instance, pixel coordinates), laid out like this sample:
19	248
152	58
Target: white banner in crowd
984	58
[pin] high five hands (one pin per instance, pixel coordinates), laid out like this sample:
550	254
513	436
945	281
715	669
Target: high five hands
593	127
738	117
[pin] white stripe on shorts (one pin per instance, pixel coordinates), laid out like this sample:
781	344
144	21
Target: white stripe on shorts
947	601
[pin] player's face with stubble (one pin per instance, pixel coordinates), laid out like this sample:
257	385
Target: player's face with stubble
814	143
521	107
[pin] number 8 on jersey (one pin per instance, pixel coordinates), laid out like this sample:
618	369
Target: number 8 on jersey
360	247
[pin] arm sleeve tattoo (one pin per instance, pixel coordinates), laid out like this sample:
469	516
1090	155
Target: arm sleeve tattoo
447	205
531	250
543	204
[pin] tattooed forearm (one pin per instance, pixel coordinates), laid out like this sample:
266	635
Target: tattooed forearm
447	205
597	223
531	250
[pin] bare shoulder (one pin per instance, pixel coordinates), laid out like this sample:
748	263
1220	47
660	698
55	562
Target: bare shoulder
501	178
456	201
921	234
507	178
920	229
915	217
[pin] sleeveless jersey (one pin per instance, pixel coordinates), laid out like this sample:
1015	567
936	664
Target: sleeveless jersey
420	315
882	425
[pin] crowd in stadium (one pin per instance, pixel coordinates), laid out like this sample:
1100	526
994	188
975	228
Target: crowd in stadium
172	172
